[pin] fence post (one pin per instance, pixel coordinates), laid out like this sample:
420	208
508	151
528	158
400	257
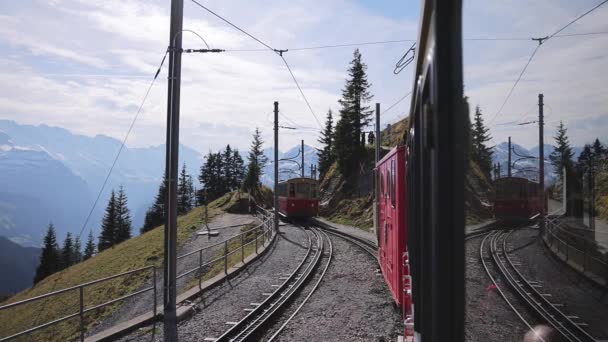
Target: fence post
256	241
242	248
226	257
200	269
154	281
81	290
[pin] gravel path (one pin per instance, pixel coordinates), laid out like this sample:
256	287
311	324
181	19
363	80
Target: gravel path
143	303
225	303
352	302
580	297
487	316
350	229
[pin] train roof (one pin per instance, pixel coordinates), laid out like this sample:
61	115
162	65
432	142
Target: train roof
514	179
390	154
298	180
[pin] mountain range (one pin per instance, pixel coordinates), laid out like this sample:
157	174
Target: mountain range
523	166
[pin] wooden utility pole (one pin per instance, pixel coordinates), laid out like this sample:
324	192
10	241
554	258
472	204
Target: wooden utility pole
171	169
541	161
509	160
375	175
276	166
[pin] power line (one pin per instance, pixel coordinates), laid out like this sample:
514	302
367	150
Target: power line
397	102
122	145
578	18
515	84
301	92
233	25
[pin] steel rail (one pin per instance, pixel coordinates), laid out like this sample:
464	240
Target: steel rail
330	256
252	329
251	322
568	328
498	287
365	244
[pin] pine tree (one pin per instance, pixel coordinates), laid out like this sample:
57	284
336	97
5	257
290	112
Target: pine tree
228	171
184	190
108	225
155	215
50	261
77	255
89	248
67	252
585	159
561	157
238	169
326	140
257	162
480	153
123	218
354	116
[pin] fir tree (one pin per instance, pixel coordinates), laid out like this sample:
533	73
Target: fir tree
326	140
67	252
108	225
89	248
238	169
123	218
77	255
480	153
184	190
50	261
155	215
257	162
354	115
228	171
561	157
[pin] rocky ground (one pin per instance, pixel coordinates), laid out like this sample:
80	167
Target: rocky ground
487	316
352	303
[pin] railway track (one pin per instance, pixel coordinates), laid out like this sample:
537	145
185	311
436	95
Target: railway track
250	327
367	245
494	247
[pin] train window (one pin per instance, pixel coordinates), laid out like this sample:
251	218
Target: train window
303	189
292	190
392	188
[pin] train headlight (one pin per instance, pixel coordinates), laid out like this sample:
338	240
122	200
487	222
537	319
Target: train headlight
293	205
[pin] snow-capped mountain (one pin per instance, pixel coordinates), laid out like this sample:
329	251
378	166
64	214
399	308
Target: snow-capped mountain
50	174
523	166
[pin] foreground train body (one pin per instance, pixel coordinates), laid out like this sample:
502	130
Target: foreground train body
516	198
392	226
298	197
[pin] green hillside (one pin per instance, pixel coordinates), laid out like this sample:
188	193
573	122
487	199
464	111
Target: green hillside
140	251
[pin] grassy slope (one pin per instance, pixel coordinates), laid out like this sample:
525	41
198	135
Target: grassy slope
140	251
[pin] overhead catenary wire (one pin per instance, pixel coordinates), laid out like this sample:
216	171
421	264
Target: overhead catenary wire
540	43
122	145
277	51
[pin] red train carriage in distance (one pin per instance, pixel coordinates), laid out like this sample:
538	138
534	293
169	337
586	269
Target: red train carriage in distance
392	227
516	198
298	197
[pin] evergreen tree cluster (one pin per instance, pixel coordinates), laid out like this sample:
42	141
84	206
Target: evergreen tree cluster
594	158
480	153
54	258
561	157
116	223
186	199
325	154
221	172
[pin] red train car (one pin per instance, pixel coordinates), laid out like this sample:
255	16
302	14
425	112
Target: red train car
298	197
392	226
516	198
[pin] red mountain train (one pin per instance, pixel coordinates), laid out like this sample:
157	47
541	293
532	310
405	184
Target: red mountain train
516	198
392	228
298	197
420	186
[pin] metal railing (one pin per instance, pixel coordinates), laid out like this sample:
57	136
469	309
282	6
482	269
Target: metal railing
79	289
262	231
583	258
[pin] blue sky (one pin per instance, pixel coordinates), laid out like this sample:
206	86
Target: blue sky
86	65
